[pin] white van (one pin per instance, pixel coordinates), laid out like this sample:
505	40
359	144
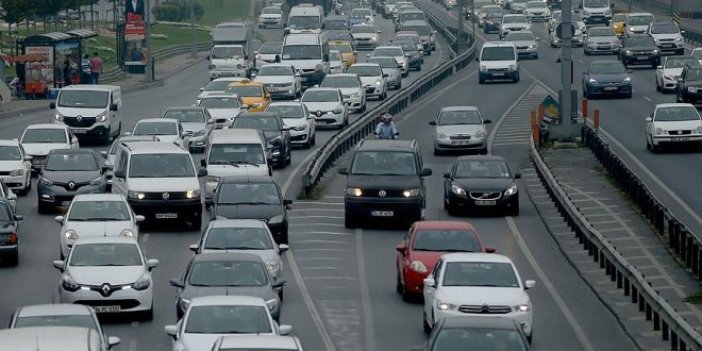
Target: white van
305	18
90	111
54	338
234	152
596	11
309	55
498	61
229	61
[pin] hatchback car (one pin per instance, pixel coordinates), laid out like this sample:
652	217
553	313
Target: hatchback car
415	58
168	130
492	333
526	43
15	166
480	182
303	129
601	40
513	23
371	76
281	80
604	78
327	106
460	128
197	123
668	73
276	133
66	174
268	52
350	86
38	139
397	53
638	23
217	86
9	235
673	124
392	71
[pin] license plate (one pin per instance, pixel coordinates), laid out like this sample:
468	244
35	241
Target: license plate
667	45
679	139
107	309
485	202
459	142
642	58
603	48
166	215
303	79
78	131
610	88
498	74
65	203
382	213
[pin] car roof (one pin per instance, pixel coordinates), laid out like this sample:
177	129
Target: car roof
277	342
388	47
147	147
247	179
133	138
288	103
497	44
9	142
672	104
237	135
227	300
443	225
94	87
227	257
321	89
396	145
99	197
476	257
245	82
237	223
160	120
365	65
73	151
480	322
47	126
640	14
354	75
258	115
55	309
53	338
415	23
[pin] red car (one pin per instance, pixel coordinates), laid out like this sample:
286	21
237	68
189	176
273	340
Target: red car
424	243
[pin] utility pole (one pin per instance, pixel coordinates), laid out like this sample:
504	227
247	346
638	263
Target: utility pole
565	96
149	55
193	51
461	14
473	20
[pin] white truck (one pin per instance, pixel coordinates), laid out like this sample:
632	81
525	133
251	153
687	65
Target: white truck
596	11
232	52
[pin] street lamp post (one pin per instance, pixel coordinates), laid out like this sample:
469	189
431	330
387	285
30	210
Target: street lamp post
149	55
461	14
567	31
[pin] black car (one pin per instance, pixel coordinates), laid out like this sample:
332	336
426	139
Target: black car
9	239
639	49
255	197
480	182
689	87
385	181
227	273
277	134
485	333
414	56
492	22
606	78
67	173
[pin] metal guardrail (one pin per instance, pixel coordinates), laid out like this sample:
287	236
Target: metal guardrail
116	72
345	139
674	329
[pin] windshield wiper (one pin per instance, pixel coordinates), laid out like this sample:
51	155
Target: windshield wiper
243	248
251	203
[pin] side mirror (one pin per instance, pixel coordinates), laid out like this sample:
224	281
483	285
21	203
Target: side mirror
659	67
282	248
517	175
649	119
425	172
447	175
285	329
682	32
203	162
246	57
18	217
489	249
244	106
52	105
529	284
152	263
432	123
279	283
171	330
103	153
113	341
400	248
177	283
120	174
201	172
186	134
194	248
59	219
477	59
139	218
114	107
286	30
368	55
430	282
487	121
60	265
325	58
127	133
385	75
379	32
202	89
344	171
28	158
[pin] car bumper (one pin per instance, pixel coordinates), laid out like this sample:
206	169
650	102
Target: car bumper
171	210
693	98
465	145
354	103
414	281
270	22
677	140
498	75
8	250
388	209
523	319
329	120
232	73
129	300
608	89
60	197
96	131
541	17
365	44
670	46
15	182
527	51
603	48
198	142
374	90
282	92
465	202
591	19
642	60
299	137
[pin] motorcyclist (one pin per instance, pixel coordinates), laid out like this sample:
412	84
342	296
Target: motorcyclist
386	128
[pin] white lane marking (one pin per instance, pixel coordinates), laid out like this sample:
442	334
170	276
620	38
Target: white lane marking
577	329
647	98
317	209
145	238
365	292
132	345
494	130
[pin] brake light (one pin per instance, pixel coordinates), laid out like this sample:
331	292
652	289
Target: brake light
8	239
13	238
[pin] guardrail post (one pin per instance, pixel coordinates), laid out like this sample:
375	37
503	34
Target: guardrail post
649	312
596	120
665	332
627	287
673	340
656	321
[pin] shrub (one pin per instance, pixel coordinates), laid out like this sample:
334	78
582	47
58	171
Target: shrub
176	12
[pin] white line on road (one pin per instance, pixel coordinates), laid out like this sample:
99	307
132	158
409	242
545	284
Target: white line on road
317	217
647	98
365	293
132	344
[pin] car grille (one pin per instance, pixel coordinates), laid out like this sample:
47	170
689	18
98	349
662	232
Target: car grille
603	43
5	173
174	195
679	132
382	193
498	69
515	28
666	39
124	304
277	85
79	122
522	47
459	136
644	52
71	186
485	309
370	90
320	113
300	137
362	39
491	195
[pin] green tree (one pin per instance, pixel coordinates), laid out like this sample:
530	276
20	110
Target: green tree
13	11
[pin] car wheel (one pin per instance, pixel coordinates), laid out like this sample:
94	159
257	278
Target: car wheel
13	259
437	152
516	78
42	208
398	284
658	87
481	79
314	139
419	68
513	210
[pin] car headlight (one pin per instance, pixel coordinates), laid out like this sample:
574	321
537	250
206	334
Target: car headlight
679	39
512	67
699	130
338	110
418	266
608	12
58	117
192	194
481	134
212	179
136	195
523	307
273	265
692	89
211	67
355	95
126	233
655	51
69	284
276	219
199	133
17	172
440	135
586	13
142	283
318	68
532	46
71	235
628	52
511	190
445	306
483	68
659	131
272	304
96	182
411	192
46	182
591	80
102	118
457	190
378	82
239	66
627	80
299	128
354	192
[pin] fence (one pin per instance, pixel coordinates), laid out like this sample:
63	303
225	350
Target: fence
116	72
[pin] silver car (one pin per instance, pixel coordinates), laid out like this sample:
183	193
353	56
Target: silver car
217	86
513	23
365	36
601	39
351	87
526	43
668	73
460	128
371	76
258	342
196	122
224	108
392	71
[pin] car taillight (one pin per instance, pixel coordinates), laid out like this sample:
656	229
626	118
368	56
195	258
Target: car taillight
9	239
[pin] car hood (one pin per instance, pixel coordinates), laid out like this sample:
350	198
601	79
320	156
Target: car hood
665	36
673	72
608	40
391	72
313	107
270	134
274	79
304	64
41	149
265	292
71	176
10	165
364	35
84	112
429	258
193	126
231	63
163	184
203	342
294	122
609	78
484	184
472	295
524	42
101	275
166	138
676	125
641	28
383	182
247	211
228	113
238	169
349	91
271	15
515	25
454	129
640	48
98	228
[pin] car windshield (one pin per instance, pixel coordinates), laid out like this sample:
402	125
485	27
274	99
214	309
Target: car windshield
228	319
343	48
639	20
497	53
693	75
10	153
407	45
536	5
384	163
156	128
238	239
304	22
488	274
446	240
218	85
336	25
83	98
227	52
664	28
459	117
642	41
287	111
82	321
186	115
342	35
677	113
514	19
414	38
270	48
245	90
232	154
697	54
302	52
219	102
334	56
99	211
410	16
608	68
392	52
41	136
71	162
360	13
320	96
601	32
680	62
482	169
340	82
366	71
161	166
520	36
620	17
421	30
255	122
272	10
227	273
495	15
248	193
99	255
275	71
483	338
363	29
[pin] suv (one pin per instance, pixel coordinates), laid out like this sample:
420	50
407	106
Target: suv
498	60
276	133
639	49
689	88
160	181
667	37
66	174
385	180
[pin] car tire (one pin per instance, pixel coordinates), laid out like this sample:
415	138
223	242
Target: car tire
42	208
513	210
314	139
481	79
629	95
437	152
658	87
281	295
398	284
483	151
13	259
516	78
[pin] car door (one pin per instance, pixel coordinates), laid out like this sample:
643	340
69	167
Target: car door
403	258
659	71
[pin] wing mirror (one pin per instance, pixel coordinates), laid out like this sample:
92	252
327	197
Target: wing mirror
529	284
430	282
279	283
171	330
282	248
400	248
649	119
201	172
194	248
60	265
152	263
52	105
343	171
425	172
139	218
186	134
59	219
177	283
447	175
517	175
487	121
114	107
489	249
113	341
432	123
202	89
285	329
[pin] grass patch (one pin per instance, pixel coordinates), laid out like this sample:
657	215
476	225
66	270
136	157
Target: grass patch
216	11
176	36
695	298
316	194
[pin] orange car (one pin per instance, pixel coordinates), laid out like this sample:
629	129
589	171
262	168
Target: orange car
618	23
253	94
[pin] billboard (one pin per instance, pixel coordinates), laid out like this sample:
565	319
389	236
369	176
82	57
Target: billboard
135	33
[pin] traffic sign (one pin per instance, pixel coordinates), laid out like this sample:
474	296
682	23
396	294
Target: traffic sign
551	107
562	27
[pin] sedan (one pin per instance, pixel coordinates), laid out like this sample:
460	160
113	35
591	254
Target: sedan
224	108
217	86
493	21
537	11
371	76
576	40
15	166
601	40
492	333
606	78
673	124
110	274
392	71
166	129
513	23
350	86
38	139
91	215
668	73
268	52
424	244
228	273
9	237
365	36
281	80
327	106
525	42
303	129
460	128
271	16
481	182
258	342
196	122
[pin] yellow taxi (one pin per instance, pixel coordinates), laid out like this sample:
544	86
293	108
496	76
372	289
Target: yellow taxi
618	23
348	55
253	94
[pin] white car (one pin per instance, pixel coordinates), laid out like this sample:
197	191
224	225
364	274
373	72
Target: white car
111	153
697	54
166	129
601	39
216	87
209	318
281	80
109	273
638	23
243	235
673	124
668	73
271	16
537	11
513	23
472	284
351	87
577	40
258	342
15	166
397	53
38	139
327	106
336	64
460	128
97	215
526	42
365	36
667	36
303	129
224	108
371	75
